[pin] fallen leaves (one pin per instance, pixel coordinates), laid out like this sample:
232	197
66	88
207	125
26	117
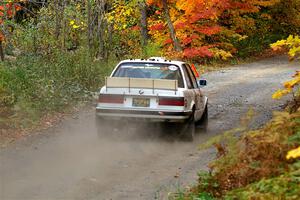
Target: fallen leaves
295	153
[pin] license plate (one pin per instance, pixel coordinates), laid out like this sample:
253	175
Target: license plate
140	102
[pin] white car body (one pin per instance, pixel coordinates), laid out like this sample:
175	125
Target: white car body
153	94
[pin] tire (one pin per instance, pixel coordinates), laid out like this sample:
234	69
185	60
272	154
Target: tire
188	129
184	131
203	122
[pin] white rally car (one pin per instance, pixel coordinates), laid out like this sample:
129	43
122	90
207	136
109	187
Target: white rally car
153	90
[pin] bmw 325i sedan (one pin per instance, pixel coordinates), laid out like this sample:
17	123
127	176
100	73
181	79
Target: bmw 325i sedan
154	90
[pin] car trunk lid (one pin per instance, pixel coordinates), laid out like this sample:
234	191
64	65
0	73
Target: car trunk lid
130	85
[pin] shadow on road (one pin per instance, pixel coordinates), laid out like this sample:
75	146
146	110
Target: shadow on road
145	132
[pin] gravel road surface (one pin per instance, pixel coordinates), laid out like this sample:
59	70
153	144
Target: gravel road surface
69	161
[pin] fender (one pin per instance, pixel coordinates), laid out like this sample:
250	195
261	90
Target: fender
205	101
199	113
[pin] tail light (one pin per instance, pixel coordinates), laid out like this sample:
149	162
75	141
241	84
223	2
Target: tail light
169	101
110	98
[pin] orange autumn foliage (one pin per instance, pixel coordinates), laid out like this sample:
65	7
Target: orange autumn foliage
8	11
197	21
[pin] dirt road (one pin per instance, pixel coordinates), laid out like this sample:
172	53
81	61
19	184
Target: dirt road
70	162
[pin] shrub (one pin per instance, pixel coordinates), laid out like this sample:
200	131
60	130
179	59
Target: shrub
285	186
34	85
256	165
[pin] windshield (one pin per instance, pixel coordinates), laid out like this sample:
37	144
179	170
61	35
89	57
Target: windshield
150	70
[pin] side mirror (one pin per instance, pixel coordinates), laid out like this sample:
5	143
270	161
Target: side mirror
202	83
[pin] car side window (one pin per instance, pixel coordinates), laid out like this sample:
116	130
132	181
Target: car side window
192	76
187	77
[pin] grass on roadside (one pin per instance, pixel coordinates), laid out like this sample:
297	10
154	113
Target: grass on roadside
33	86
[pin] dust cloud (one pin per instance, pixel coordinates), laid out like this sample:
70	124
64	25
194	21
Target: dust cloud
83	162
71	161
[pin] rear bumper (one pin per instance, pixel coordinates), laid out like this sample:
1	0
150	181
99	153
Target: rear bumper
146	116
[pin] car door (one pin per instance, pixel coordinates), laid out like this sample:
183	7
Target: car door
190	94
199	104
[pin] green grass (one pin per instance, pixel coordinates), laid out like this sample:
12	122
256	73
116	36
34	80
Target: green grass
32	85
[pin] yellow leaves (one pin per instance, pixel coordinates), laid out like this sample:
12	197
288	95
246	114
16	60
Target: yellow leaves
188	6
221	54
295	153
278	45
128	12
174	13
110	18
289	85
73	24
293	44
123	15
292	83
293	51
293	40
242	37
280	93
289	42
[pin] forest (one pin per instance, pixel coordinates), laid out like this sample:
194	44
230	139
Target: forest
196	30
54	55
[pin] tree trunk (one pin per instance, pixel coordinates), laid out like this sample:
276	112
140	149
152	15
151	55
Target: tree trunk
60	22
170	26
101	29
57	18
34	37
110	39
100	38
89	33
144	25
1	52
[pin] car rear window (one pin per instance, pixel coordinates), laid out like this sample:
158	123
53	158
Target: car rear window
150	70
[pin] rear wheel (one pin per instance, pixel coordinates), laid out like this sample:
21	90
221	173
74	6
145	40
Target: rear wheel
183	131
188	129
203	122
